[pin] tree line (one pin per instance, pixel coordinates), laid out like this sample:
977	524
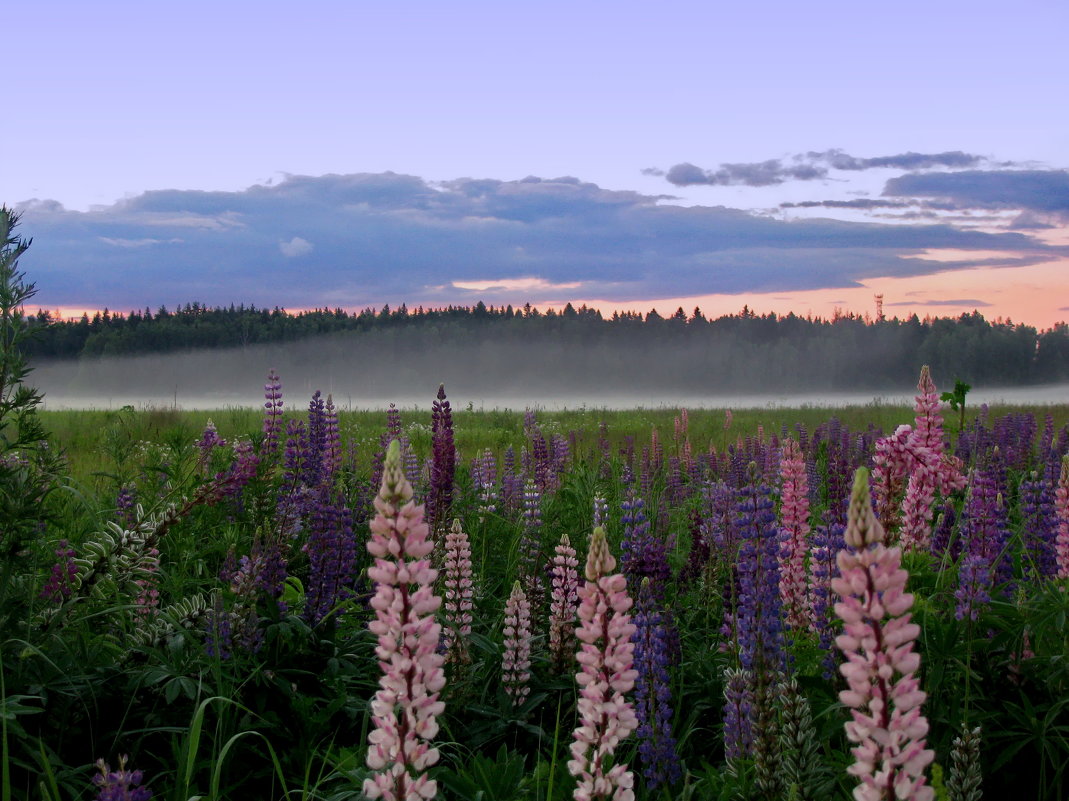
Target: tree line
845	351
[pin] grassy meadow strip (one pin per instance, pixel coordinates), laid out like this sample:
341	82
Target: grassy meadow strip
303	602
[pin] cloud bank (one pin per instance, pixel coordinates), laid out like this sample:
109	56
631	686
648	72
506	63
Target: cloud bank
369	239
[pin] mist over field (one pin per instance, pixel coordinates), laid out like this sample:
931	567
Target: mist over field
502	372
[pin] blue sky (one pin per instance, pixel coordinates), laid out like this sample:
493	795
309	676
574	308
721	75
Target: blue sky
787	155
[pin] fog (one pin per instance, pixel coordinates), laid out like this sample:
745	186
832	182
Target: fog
371	373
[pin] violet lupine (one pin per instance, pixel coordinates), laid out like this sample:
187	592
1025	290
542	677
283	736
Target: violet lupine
404	708
332	453
984	536
443	467
1039	527
457	581
126	506
643	553
1061	506
516	658
738	713
121	784
60	584
208	442
794	536
605	674
877	641
331	550
530	562
484	477
827	542
563	600
653	692
272	412
759	619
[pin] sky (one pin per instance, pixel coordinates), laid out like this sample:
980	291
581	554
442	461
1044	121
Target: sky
780	155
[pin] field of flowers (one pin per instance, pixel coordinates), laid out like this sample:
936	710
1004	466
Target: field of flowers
307	604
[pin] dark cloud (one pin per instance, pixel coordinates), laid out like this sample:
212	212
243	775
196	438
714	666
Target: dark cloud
810	166
1045	191
355	240
764	173
953	159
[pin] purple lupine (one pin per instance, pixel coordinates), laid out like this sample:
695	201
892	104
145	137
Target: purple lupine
984	537
316	441
560	456
206	445
827	542
511	482
1038	517
738	713
530	566
121	784
944	547
272	412
484	477
126	506
443	467
653	693
332	450
241	471
60	582
331	549
760	612
642	553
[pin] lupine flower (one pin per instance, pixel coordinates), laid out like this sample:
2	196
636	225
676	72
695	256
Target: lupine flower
794	533
404	708
984	537
331	550
877	642
643	553
1038	516
965	778
332	456
148	598
738	713
443	468
516	661
208	442
1061	506
827	542
511	482
484	477
759	620
605	675
125	505
653	693
458	593
60	582
727	419
272	412
564	598
121	784
531	543
601	511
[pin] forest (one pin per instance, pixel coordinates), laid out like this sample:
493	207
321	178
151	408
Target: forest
744	350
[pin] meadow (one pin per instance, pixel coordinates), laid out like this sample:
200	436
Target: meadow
190	598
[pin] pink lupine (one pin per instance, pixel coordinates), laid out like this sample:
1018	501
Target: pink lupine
458	592
938	471
404	708
516	660
794	533
1061	505
877	642
605	674
563	600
